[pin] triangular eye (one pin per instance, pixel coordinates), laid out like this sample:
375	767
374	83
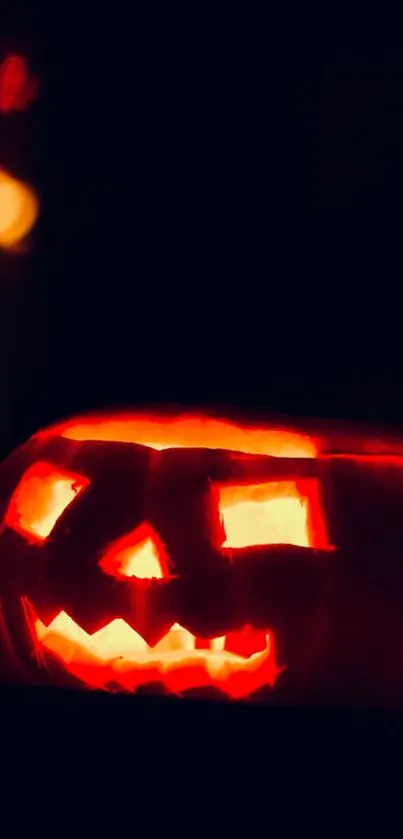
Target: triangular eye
138	554
41	497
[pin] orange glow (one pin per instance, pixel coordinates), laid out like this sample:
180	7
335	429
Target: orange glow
189	431
17	89
138	554
263	514
237	664
19	209
40	498
142	561
117	654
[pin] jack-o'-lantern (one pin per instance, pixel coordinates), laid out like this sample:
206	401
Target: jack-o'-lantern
197	555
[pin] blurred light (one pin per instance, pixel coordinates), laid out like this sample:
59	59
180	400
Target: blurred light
17	89
19	208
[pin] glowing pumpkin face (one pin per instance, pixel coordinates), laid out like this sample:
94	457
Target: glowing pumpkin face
186	553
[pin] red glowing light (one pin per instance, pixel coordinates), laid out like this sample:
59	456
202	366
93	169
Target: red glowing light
17	88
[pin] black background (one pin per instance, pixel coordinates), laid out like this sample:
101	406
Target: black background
221	223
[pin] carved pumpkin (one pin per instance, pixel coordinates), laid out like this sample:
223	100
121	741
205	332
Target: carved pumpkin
191	554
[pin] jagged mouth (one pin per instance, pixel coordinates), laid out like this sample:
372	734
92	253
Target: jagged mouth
118	656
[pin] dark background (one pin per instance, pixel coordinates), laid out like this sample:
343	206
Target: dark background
221	223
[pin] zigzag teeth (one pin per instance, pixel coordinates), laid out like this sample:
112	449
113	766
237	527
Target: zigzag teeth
115	640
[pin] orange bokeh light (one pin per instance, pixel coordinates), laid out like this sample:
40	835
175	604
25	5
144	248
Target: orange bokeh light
19	208
40	498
